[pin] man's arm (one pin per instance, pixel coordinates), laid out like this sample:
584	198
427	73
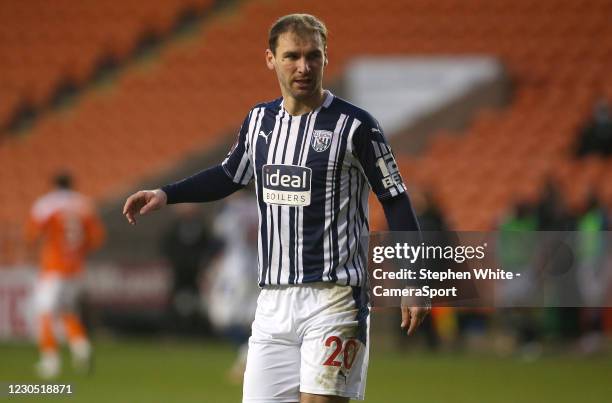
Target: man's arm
374	155
399	213
208	185
400	217
205	186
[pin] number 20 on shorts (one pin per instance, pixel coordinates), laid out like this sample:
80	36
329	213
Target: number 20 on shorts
348	351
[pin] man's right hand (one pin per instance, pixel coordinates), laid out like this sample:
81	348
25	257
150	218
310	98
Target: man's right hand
143	202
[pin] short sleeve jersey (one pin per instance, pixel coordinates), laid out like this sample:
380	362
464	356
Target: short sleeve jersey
312	175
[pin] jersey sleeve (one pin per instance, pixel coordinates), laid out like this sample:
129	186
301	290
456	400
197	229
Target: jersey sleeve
374	155
238	164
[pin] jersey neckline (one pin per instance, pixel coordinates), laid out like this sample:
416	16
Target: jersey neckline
329	97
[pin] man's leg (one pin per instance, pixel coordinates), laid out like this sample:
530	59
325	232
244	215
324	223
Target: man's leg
334	353
80	347
78	341
49	364
272	373
46	296
310	398
273	360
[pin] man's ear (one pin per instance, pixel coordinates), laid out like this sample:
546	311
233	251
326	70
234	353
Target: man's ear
270	59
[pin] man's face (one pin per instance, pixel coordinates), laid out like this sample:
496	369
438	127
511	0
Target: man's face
299	62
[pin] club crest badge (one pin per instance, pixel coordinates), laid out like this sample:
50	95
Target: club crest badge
321	140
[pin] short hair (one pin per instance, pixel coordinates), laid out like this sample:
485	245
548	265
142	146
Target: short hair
63	180
298	23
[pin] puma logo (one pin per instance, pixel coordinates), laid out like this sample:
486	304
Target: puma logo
265	136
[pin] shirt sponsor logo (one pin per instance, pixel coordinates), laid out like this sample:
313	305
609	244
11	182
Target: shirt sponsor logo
287	185
321	140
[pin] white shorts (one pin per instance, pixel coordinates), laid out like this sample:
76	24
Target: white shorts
310	338
54	294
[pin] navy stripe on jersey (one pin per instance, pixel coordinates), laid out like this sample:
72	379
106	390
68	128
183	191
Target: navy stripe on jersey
311	177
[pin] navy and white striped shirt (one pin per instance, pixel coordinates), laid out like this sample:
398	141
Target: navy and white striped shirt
312	174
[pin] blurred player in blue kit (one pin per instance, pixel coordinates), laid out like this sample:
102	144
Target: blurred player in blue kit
313	158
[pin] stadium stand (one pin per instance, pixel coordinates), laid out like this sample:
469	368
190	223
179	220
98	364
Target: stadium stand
504	160
44	45
558	54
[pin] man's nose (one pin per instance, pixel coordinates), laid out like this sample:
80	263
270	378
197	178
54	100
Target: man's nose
303	66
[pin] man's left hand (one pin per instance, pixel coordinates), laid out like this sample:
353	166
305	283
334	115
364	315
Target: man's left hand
412	317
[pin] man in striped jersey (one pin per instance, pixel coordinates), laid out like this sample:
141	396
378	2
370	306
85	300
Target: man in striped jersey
313	157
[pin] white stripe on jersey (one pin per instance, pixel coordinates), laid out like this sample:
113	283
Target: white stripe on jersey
299	270
273	238
328	249
288	151
346	222
281	214
246	164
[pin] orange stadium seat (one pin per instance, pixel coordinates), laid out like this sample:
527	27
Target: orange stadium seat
62	40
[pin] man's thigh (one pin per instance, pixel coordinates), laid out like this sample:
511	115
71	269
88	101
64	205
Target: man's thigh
273	362
47	294
334	353
272	373
334	362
